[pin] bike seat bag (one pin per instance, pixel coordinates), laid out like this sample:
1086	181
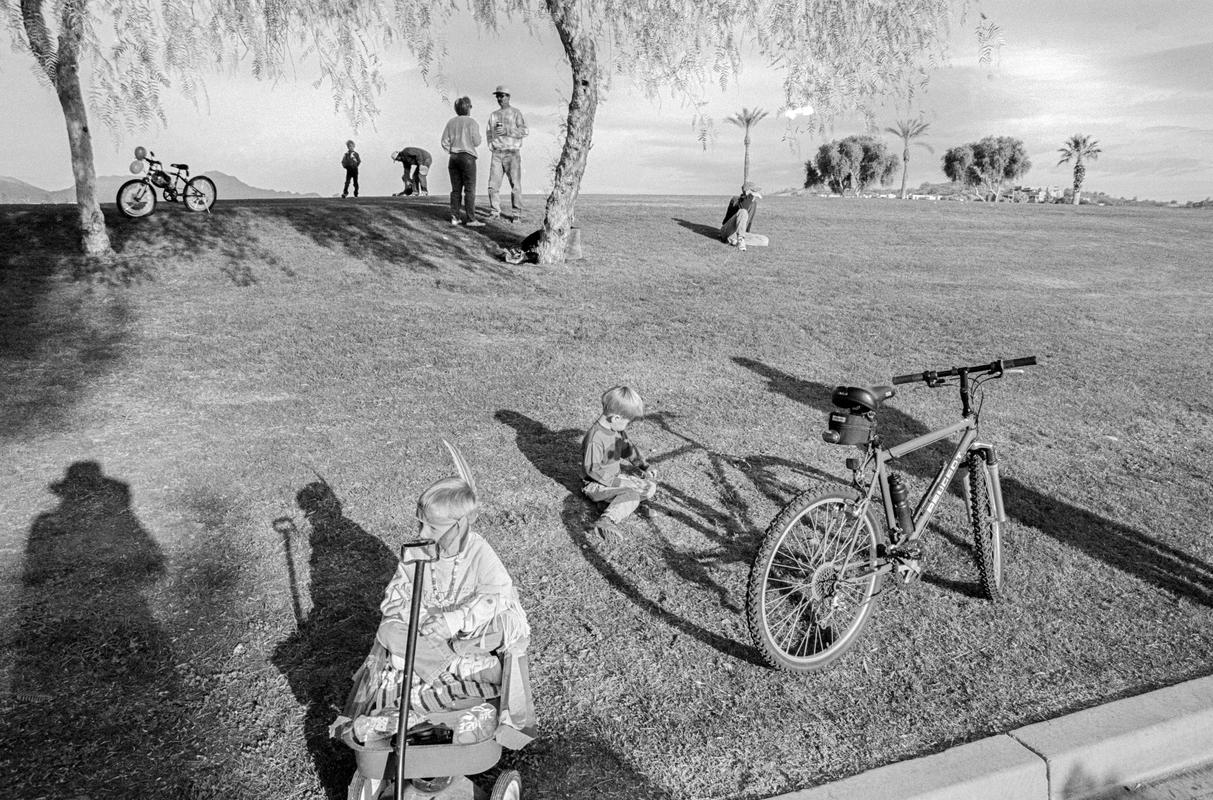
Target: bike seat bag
852	425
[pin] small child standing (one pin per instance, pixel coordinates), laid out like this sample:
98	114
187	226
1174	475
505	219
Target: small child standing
351	161
603	450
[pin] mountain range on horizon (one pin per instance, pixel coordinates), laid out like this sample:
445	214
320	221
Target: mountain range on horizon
228	187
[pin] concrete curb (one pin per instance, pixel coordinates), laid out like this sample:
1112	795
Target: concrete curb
1081	755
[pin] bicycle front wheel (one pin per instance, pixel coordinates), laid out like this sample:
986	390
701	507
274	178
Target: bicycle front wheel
200	194
136	199
987	531
812	587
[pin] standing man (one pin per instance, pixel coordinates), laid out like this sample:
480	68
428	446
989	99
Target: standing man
504	134
416	163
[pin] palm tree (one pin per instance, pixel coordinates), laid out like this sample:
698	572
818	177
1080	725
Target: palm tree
1076	148
747	119
906	130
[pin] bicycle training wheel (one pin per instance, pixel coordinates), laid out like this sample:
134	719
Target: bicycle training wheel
199	194
136	199
812	587
987	531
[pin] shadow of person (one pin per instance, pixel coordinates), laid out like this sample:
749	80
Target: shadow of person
1100	538
93	672
553	453
700	228
349	570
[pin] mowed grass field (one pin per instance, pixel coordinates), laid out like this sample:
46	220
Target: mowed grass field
175	627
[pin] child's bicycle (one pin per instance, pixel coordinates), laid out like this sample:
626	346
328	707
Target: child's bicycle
813	585
137	197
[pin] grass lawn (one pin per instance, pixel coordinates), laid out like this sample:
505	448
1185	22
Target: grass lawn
151	642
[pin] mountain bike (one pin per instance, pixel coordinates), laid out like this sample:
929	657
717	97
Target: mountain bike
814	583
137	197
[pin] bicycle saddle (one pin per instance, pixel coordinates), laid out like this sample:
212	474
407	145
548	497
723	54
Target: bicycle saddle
858	399
185	167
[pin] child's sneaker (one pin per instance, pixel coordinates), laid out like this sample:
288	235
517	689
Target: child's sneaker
609	530
741	243
454	220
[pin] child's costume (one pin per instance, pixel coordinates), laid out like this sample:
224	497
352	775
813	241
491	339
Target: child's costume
602	454
473	593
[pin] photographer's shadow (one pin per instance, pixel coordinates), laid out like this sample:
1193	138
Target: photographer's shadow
349	570
93	671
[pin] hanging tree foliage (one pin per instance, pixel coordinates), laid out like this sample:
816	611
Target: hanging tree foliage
835	54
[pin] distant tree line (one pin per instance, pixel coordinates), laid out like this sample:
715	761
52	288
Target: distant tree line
990	167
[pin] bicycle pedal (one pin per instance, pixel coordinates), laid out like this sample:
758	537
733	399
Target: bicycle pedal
911	551
909	570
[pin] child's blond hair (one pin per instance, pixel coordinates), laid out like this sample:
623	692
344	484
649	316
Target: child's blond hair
446	502
622	401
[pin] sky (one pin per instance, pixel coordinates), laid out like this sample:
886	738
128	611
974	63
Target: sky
1136	75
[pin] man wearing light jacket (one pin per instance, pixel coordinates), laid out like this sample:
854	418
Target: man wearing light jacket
506	128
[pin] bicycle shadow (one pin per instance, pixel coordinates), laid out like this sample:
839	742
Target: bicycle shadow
349	570
732	531
1114	543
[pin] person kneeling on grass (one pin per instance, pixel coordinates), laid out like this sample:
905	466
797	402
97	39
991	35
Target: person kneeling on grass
740	217
473	631
604	449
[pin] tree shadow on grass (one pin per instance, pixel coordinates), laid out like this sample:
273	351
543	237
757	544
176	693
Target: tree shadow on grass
731	534
700	228
55	337
391	234
100	710
1118	545
349	570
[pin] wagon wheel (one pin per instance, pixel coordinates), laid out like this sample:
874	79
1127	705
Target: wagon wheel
508	786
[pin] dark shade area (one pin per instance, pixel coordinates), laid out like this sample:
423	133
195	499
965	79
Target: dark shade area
350	569
710	231
91	664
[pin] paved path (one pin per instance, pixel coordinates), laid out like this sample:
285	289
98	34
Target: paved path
1191	785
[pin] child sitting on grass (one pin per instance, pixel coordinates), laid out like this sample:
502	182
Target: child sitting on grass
603	450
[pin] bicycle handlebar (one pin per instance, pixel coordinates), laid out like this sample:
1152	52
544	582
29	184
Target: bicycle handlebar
994	367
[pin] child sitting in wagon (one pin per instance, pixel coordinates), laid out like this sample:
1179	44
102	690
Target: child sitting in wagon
473	633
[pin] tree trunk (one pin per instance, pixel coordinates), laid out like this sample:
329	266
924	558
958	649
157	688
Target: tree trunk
745	170
63	70
1079	174
583	58
94	238
905	170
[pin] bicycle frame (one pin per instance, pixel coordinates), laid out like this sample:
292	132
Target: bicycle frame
930	499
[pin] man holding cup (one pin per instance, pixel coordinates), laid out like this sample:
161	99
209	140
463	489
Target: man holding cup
506	127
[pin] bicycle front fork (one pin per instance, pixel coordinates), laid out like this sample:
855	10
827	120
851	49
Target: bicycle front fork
986	452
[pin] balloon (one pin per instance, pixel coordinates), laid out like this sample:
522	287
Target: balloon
136	167
140	152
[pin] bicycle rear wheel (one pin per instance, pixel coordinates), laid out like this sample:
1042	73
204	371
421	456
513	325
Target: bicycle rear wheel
987	531
200	194
136	199
812	587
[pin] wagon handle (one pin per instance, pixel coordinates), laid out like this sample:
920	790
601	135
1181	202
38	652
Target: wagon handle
410	653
